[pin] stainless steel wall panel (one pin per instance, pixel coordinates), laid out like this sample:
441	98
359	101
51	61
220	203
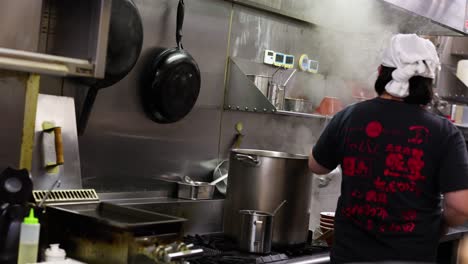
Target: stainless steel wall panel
432	17
254	31
125	152
122	149
446	12
205	37
11	119
19	29
61	111
294	135
20	24
448	85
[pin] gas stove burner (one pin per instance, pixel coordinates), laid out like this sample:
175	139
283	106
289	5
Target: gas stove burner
276	259
303	250
222	250
217	241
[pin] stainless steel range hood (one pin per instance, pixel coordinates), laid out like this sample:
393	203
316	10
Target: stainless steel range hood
447	17
424	17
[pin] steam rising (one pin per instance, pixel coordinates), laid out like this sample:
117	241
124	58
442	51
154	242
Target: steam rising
352	36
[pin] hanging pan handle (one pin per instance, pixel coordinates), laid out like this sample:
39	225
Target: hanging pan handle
252	160
180	23
86	110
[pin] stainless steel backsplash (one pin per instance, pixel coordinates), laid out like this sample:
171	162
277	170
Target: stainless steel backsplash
124	151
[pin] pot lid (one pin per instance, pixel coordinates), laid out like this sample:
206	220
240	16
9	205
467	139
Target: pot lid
270	154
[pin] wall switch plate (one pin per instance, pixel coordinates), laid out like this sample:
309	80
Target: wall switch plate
269	57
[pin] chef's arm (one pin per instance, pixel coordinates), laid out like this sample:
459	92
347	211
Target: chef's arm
456	207
315	167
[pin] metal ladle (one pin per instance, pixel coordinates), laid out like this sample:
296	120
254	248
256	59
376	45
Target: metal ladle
289	78
279	207
218	180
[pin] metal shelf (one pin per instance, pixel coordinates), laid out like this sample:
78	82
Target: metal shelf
25	61
73	38
243	95
281	112
464	126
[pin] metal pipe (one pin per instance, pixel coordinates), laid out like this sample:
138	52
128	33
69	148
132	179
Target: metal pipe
183	254
316	259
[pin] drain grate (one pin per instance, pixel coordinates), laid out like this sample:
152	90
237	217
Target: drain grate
55	196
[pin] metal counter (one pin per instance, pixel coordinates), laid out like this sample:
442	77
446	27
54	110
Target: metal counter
203	216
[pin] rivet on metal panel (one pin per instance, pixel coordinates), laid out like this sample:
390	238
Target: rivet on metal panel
255	109
238	107
229	107
264	109
246	108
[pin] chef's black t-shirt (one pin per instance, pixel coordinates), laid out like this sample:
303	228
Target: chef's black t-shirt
396	160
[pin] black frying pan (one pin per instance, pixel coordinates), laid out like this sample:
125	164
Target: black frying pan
173	85
123	49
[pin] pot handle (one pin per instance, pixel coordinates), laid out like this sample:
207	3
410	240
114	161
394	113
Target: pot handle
180	23
252	160
258	226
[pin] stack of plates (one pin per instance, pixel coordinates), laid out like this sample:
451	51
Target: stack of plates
327	225
327	220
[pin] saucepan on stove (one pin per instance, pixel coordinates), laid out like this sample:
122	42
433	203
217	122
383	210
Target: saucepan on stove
196	190
190	189
257	230
298	105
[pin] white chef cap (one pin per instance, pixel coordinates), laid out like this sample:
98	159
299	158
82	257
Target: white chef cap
411	56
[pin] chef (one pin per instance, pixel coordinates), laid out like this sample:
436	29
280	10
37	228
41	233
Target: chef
397	159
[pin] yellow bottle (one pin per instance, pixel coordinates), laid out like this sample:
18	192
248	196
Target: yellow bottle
29	239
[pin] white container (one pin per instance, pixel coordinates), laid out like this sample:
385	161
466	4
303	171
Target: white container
67	261
29	239
55	253
462	71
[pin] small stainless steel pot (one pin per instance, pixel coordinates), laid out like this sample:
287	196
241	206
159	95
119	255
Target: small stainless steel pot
261	81
297	105
276	94
256	231
195	190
